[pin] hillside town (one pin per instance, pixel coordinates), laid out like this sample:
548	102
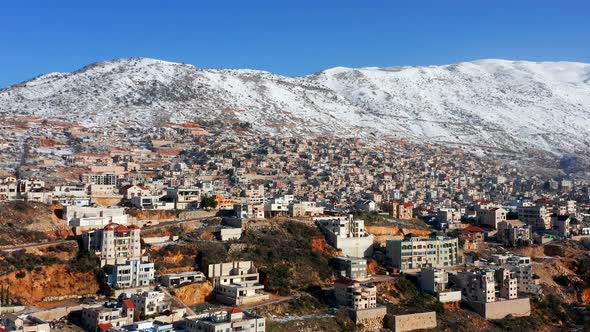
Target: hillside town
212	226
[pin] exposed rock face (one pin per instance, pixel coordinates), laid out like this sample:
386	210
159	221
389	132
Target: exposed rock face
196	293
47	282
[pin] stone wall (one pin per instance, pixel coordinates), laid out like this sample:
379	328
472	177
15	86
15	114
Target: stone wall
411	322
368	319
500	309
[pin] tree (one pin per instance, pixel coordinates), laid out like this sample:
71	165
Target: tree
208	202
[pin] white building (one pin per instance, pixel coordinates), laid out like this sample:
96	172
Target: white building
134	273
236	283
149	303
347	234
415	252
114	244
233	319
354	295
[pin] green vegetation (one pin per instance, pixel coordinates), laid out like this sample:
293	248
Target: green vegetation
21	259
285	256
208	202
84	262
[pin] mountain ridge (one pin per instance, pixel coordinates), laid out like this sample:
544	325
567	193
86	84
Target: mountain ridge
503	104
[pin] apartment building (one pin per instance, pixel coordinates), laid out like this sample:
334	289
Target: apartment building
94	216
177	279
491	216
150	303
115	243
305	209
101	179
402	210
233	319
351	267
488	285
354	295
236	283
436	281
538	217
347	234
415	252
513	233
521	266
447	217
133	273
8	189
185	197
108	316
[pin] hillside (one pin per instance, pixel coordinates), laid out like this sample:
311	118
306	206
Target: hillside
509	106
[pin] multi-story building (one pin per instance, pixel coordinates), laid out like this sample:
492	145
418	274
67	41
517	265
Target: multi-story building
448	217
149	303
523	271
305	209
347	234
233	319
415	252
101	179
491	216
514	233
94	216
402	210
176	279
537	217
236	283
436	281
115	243
8	189
133	273
354	295
488	285
108	316
351	267
185	197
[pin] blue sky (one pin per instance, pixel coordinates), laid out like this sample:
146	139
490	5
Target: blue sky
286	37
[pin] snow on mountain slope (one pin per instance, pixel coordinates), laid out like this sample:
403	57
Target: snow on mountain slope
512	105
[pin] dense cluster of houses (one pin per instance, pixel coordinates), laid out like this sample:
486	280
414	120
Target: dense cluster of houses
98	175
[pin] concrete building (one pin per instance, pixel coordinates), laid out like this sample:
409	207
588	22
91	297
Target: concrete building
92	217
413	252
305	209
101	179
354	295
151	202
133	273
351	267
177	279
401	210
513	233
487	285
233	319
22	323
108	316
490	217
436	281
114	244
185	197
236	283
150	303
447	217
538	217
347	234
523	271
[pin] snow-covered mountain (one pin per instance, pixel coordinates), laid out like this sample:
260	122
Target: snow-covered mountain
509	105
